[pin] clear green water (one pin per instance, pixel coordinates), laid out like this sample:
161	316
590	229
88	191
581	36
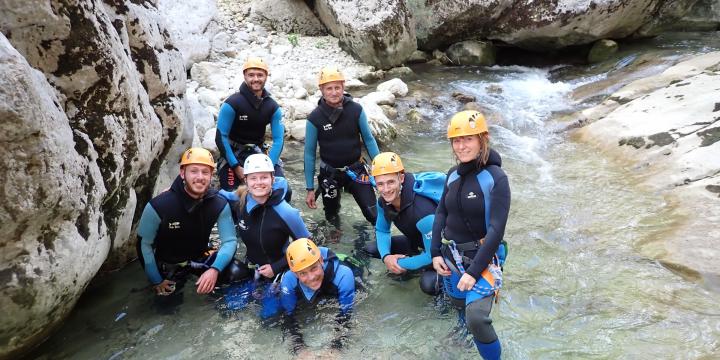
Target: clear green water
576	285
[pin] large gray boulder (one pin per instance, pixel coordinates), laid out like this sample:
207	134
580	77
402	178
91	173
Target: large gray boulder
288	16
378	32
471	52
91	97
542	24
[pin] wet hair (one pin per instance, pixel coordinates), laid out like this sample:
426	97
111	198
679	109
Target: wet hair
482	159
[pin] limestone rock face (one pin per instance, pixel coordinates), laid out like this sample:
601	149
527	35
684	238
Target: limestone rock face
602	50
541	24
288	16
378	32
91	102
668	126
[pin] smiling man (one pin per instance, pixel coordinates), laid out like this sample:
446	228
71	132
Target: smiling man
174	230
339	125
241	125
408	201
315	274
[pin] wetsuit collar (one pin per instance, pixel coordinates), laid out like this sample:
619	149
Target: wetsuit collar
250	96
470	166
275	198
333	113
189	204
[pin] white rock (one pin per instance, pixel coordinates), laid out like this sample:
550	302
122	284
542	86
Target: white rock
351	84
209	98
396	86
296	129
220	42
383	130
211	75
298	109
192	35
288	16
380	98
208	140
280	50
300	93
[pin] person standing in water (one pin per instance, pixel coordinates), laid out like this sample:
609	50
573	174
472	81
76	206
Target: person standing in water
467	239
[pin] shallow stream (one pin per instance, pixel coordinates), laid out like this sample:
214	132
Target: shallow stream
576	284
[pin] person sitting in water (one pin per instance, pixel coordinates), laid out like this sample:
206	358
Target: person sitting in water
265	221
404	201
174	230
315	273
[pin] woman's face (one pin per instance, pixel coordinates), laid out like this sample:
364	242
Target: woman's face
259	184
466	148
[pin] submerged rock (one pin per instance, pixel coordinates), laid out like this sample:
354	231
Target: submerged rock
602	50
472	53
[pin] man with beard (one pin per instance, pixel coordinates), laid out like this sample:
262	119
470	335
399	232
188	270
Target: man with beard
241	126
339	125
174	230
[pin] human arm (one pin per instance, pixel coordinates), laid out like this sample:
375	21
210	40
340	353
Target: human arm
228	244
367	136
437	229
499	210
345	283
226	117
422	259
147	230
278	135
309	155
288	302
384	242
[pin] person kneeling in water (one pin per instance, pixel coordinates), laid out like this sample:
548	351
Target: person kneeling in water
409	201
315	273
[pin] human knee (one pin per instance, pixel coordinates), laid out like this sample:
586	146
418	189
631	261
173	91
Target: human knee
234	272
479	323
430	282
372	249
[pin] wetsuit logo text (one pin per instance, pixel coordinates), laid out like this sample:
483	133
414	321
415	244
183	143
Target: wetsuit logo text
174	225
471	195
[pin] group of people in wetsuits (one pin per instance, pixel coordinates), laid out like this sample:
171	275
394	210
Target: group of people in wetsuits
452	224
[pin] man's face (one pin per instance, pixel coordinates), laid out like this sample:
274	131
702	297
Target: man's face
259	184
312	276
388	186
197	179
255	79
333	92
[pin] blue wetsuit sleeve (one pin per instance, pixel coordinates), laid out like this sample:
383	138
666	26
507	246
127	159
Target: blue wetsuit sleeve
296	229
367	136
345	283
226	117
499	210
228	240
438	225
382	232
310	147
278	135
147	230
422	259
288	297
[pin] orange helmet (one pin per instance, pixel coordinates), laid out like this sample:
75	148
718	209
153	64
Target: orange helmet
197	156
255	63
329	74
468	122
386	163
301	254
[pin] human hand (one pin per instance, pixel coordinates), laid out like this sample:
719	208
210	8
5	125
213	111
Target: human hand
206	281
239	172
165	288
266	271
391	262
466	282
440	267
310	199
